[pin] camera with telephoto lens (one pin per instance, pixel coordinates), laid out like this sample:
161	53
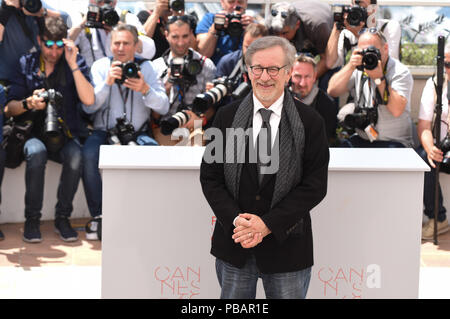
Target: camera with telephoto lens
32	6
130	69
234	28
98	16
175	121
176	5
222	87
355	15
53	99
185	70
54	136
371	56
123	133
361	118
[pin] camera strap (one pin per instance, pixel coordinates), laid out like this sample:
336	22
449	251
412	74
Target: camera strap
100	42
125	99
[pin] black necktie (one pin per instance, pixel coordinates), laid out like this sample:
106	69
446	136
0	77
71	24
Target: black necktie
264	139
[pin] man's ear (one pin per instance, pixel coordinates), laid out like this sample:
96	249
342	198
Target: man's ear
297	25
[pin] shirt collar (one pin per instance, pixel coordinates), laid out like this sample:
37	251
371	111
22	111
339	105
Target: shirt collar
276	107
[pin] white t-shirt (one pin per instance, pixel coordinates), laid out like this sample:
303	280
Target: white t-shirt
427	104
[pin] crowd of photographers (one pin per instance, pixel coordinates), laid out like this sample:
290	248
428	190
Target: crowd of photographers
158	78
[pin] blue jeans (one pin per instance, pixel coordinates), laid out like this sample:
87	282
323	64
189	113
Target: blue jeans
356	141
428	191
240	283
36	159
92	180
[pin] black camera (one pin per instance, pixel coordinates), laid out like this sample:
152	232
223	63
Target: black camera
361	118
97	16
130	69
53	135
234	28
32	6
53	99
445	148
175	121
123	133
355	15
371	56
176	5
185	70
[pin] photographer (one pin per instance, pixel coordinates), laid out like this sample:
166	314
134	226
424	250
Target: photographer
155	23
306	23
382	89
46	89
185	79
213	31
124	99
232	65
19	29
305	89
430	153
94	37
349	21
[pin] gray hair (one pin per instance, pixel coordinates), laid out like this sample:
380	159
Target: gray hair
278	22
269	42
127	27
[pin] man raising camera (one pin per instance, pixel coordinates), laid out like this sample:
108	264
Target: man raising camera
93	34
348	23
183	71
46	89
382	87
221	33
126	91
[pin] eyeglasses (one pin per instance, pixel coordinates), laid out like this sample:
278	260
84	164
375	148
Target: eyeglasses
447	64
271	70
50	43
284	14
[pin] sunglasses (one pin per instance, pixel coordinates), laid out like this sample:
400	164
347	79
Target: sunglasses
174	19
51	43
447	64
375	31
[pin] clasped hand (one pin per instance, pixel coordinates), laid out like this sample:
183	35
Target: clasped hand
250	230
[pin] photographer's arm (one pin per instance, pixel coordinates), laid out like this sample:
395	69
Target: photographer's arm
152	21
33	102
331	51
427	141
207	42
338	84
397	103
75	31
84	88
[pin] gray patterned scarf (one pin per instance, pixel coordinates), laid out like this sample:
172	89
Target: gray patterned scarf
291	134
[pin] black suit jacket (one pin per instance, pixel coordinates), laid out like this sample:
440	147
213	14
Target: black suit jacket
289	247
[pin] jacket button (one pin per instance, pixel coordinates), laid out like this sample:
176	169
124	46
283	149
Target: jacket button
258	197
